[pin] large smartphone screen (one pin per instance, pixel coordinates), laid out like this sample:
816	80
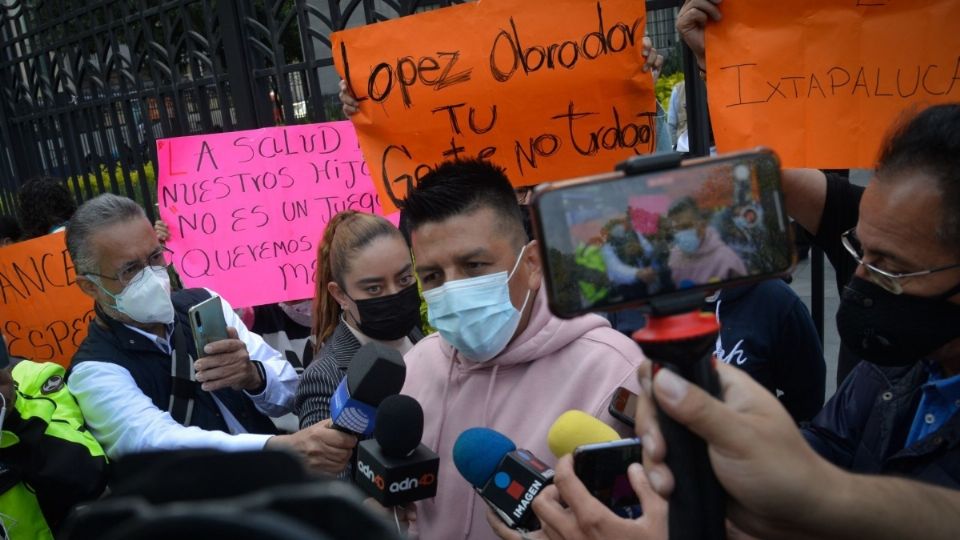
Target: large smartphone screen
618	241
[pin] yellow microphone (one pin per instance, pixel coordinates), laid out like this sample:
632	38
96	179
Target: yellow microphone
576	428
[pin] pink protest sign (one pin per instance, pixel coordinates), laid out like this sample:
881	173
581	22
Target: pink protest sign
246	209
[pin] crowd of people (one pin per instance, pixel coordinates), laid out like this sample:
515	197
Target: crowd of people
881	459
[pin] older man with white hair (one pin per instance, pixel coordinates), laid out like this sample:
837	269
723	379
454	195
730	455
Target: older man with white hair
125	375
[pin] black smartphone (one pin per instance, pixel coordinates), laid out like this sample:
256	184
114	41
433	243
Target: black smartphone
615	241
602	468
623	406
207	323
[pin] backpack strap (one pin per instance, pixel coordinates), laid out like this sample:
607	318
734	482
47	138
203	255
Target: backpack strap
183	379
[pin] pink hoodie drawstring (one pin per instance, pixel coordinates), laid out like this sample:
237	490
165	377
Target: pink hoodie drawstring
486	423
443	407
486	400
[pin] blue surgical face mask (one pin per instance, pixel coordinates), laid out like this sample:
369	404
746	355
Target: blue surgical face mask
687	240
475	315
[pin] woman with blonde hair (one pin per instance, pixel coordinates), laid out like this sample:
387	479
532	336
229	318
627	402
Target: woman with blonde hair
366	291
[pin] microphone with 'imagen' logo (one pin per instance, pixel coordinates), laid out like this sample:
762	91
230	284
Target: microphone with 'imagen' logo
507	478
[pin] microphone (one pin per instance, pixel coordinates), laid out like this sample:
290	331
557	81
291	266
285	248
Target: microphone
600	459
507	478
375	372
394	467
576	428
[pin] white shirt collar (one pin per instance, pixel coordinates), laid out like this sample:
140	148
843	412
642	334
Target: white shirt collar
162	343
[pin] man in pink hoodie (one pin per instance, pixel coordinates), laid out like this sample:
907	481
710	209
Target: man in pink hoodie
699	254
500	359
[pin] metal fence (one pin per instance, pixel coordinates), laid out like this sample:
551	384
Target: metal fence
89	85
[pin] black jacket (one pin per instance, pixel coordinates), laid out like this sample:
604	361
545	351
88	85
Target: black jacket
767	331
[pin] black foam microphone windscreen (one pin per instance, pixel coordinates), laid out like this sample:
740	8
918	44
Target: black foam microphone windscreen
376	371
399	425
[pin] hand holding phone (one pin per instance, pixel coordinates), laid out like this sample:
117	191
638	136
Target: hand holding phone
207	323
602	468
227	364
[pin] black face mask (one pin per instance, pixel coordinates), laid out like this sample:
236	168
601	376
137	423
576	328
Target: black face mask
895	329
390	317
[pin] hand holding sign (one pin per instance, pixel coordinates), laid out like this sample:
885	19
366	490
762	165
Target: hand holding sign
691	23
548	89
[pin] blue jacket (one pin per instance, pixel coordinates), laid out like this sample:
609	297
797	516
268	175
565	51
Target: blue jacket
864	426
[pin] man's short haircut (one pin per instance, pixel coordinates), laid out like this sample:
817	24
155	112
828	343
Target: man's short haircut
929	143
460	187
93	215
683	205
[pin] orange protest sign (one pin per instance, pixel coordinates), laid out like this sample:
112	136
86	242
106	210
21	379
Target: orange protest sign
548	89
43	313
822	81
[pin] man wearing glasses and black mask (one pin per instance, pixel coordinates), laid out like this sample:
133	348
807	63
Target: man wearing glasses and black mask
897	412
128	376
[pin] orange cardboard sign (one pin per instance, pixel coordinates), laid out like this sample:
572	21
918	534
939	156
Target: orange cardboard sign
548	89
43	313
823	81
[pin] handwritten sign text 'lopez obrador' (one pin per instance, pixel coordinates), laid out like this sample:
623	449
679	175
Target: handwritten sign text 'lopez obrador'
822	81
246	209
548	89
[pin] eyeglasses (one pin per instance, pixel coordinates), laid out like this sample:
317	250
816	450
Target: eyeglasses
888	280
131	270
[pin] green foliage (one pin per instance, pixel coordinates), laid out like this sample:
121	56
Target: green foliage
89	184
665	86
673	63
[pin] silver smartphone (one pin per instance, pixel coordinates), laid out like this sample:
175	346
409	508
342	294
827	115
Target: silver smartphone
207	323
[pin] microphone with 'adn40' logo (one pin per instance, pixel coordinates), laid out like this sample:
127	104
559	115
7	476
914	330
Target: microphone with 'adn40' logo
393	467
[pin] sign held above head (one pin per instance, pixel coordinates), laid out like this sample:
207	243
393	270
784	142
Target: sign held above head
547	89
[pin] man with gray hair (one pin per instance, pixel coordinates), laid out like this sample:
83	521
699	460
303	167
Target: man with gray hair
126	376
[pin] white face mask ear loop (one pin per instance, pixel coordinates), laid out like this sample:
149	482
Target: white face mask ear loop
515	266
517	263
96	281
